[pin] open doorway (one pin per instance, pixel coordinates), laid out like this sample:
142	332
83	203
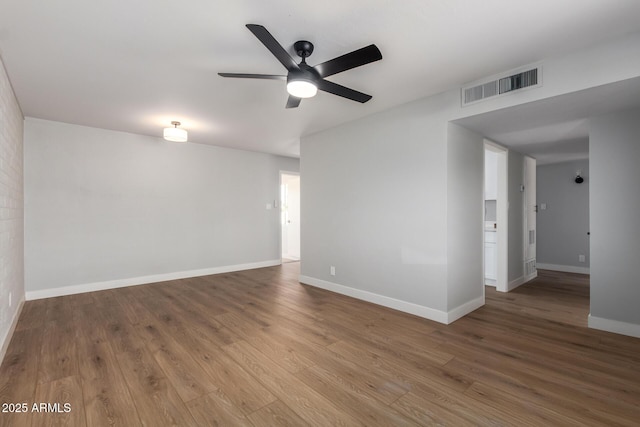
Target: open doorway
290	216
530	213
496	216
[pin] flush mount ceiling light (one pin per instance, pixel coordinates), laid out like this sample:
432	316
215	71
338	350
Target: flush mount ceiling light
174	134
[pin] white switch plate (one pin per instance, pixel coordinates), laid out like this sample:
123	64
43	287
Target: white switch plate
581	258
333	270
543	206
268	206
10	299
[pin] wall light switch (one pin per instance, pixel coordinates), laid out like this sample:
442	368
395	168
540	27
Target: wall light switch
543	206
332	270
269	206
581	258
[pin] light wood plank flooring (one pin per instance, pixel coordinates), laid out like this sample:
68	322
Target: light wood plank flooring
256	348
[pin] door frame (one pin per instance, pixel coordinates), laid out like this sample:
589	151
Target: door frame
502	216
530	210
281	202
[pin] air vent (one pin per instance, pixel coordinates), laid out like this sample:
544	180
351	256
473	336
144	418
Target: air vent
519	81
477	93
500	86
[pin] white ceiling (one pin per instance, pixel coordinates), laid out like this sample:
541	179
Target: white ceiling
136	66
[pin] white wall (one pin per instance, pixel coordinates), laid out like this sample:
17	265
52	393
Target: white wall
563	225
105	208
614	149
11	211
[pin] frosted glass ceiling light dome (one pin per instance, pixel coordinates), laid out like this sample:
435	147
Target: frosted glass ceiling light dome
174	134
301	88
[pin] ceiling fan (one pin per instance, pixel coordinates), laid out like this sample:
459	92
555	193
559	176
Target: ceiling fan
303	80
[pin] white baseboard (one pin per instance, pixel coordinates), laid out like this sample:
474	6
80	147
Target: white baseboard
615	326
396	304
293	257
564	268
7	338
519	282
464	309
513	284
133	281
531	276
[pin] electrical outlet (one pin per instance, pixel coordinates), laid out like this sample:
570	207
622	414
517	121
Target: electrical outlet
581	258
332	270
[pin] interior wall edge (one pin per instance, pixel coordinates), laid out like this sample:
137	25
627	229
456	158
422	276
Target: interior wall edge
464	309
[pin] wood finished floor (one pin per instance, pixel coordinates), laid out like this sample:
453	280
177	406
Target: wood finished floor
256	348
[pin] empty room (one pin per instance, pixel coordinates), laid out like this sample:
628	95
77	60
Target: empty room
319	213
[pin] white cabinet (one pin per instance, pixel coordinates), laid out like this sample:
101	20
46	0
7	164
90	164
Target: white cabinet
490	258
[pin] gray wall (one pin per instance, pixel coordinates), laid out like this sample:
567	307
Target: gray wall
103	205
374	204
465	228
11	210
563	225
614	149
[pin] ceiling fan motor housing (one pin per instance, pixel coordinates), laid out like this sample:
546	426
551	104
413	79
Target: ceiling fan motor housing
305	73
303	48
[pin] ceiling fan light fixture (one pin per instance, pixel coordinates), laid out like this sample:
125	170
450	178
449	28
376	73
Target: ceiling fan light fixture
302	88
175	134
303	80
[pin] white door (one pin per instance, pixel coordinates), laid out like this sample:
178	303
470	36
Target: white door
290	215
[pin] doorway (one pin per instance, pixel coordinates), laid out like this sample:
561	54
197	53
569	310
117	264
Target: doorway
496	216
290	216
530	212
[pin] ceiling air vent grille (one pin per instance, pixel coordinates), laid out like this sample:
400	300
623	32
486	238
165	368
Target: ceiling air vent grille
500	86
519	81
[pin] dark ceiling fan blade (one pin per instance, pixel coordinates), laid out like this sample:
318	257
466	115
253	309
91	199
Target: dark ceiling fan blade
274	47
293	102
343	91
253	76
350	60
